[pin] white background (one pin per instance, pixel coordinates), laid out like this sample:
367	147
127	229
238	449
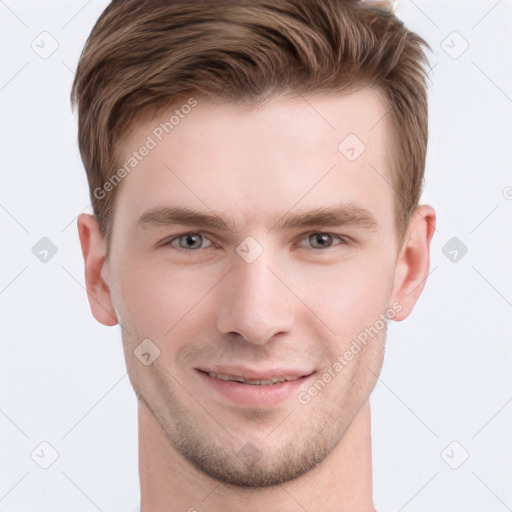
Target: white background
447	379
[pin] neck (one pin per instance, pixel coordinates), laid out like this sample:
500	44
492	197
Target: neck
342	482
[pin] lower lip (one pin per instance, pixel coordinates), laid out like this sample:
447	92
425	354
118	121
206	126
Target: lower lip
250	394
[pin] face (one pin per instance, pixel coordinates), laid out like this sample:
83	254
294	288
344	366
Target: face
250	243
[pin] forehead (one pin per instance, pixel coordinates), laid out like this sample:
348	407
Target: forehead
253	162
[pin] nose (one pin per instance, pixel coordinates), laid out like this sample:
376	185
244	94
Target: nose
256	303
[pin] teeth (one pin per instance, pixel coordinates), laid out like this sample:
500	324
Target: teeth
265	382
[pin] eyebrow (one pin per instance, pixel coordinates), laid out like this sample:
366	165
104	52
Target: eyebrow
339	215
342	215
165	216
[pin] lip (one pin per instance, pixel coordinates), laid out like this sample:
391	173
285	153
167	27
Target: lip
253	395
253	374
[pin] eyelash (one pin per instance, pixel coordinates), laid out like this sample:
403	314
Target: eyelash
343	240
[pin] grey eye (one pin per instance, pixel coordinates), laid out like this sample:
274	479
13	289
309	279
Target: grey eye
190	241
323	239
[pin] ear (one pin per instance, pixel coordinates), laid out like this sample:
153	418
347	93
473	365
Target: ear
413	261
96	270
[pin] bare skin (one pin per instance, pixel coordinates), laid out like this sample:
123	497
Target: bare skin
301	303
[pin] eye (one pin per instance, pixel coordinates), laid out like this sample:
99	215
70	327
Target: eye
191	242
324	240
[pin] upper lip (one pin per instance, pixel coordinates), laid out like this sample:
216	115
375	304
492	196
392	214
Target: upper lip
254	374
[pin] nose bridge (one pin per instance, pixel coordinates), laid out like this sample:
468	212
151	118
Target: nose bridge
256	304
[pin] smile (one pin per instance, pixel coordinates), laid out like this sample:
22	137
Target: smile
253	382
233	389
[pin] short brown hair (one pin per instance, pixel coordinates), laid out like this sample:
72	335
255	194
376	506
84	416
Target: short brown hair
141	56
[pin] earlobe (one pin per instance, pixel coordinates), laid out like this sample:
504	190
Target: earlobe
413	261
96	270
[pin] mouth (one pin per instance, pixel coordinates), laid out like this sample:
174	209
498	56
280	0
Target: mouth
266	389
252	382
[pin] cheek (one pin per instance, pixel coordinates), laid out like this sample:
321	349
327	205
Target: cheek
154	300
350	297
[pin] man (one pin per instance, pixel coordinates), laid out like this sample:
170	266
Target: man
255	170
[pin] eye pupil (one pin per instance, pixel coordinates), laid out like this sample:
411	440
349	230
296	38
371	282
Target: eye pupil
324	238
